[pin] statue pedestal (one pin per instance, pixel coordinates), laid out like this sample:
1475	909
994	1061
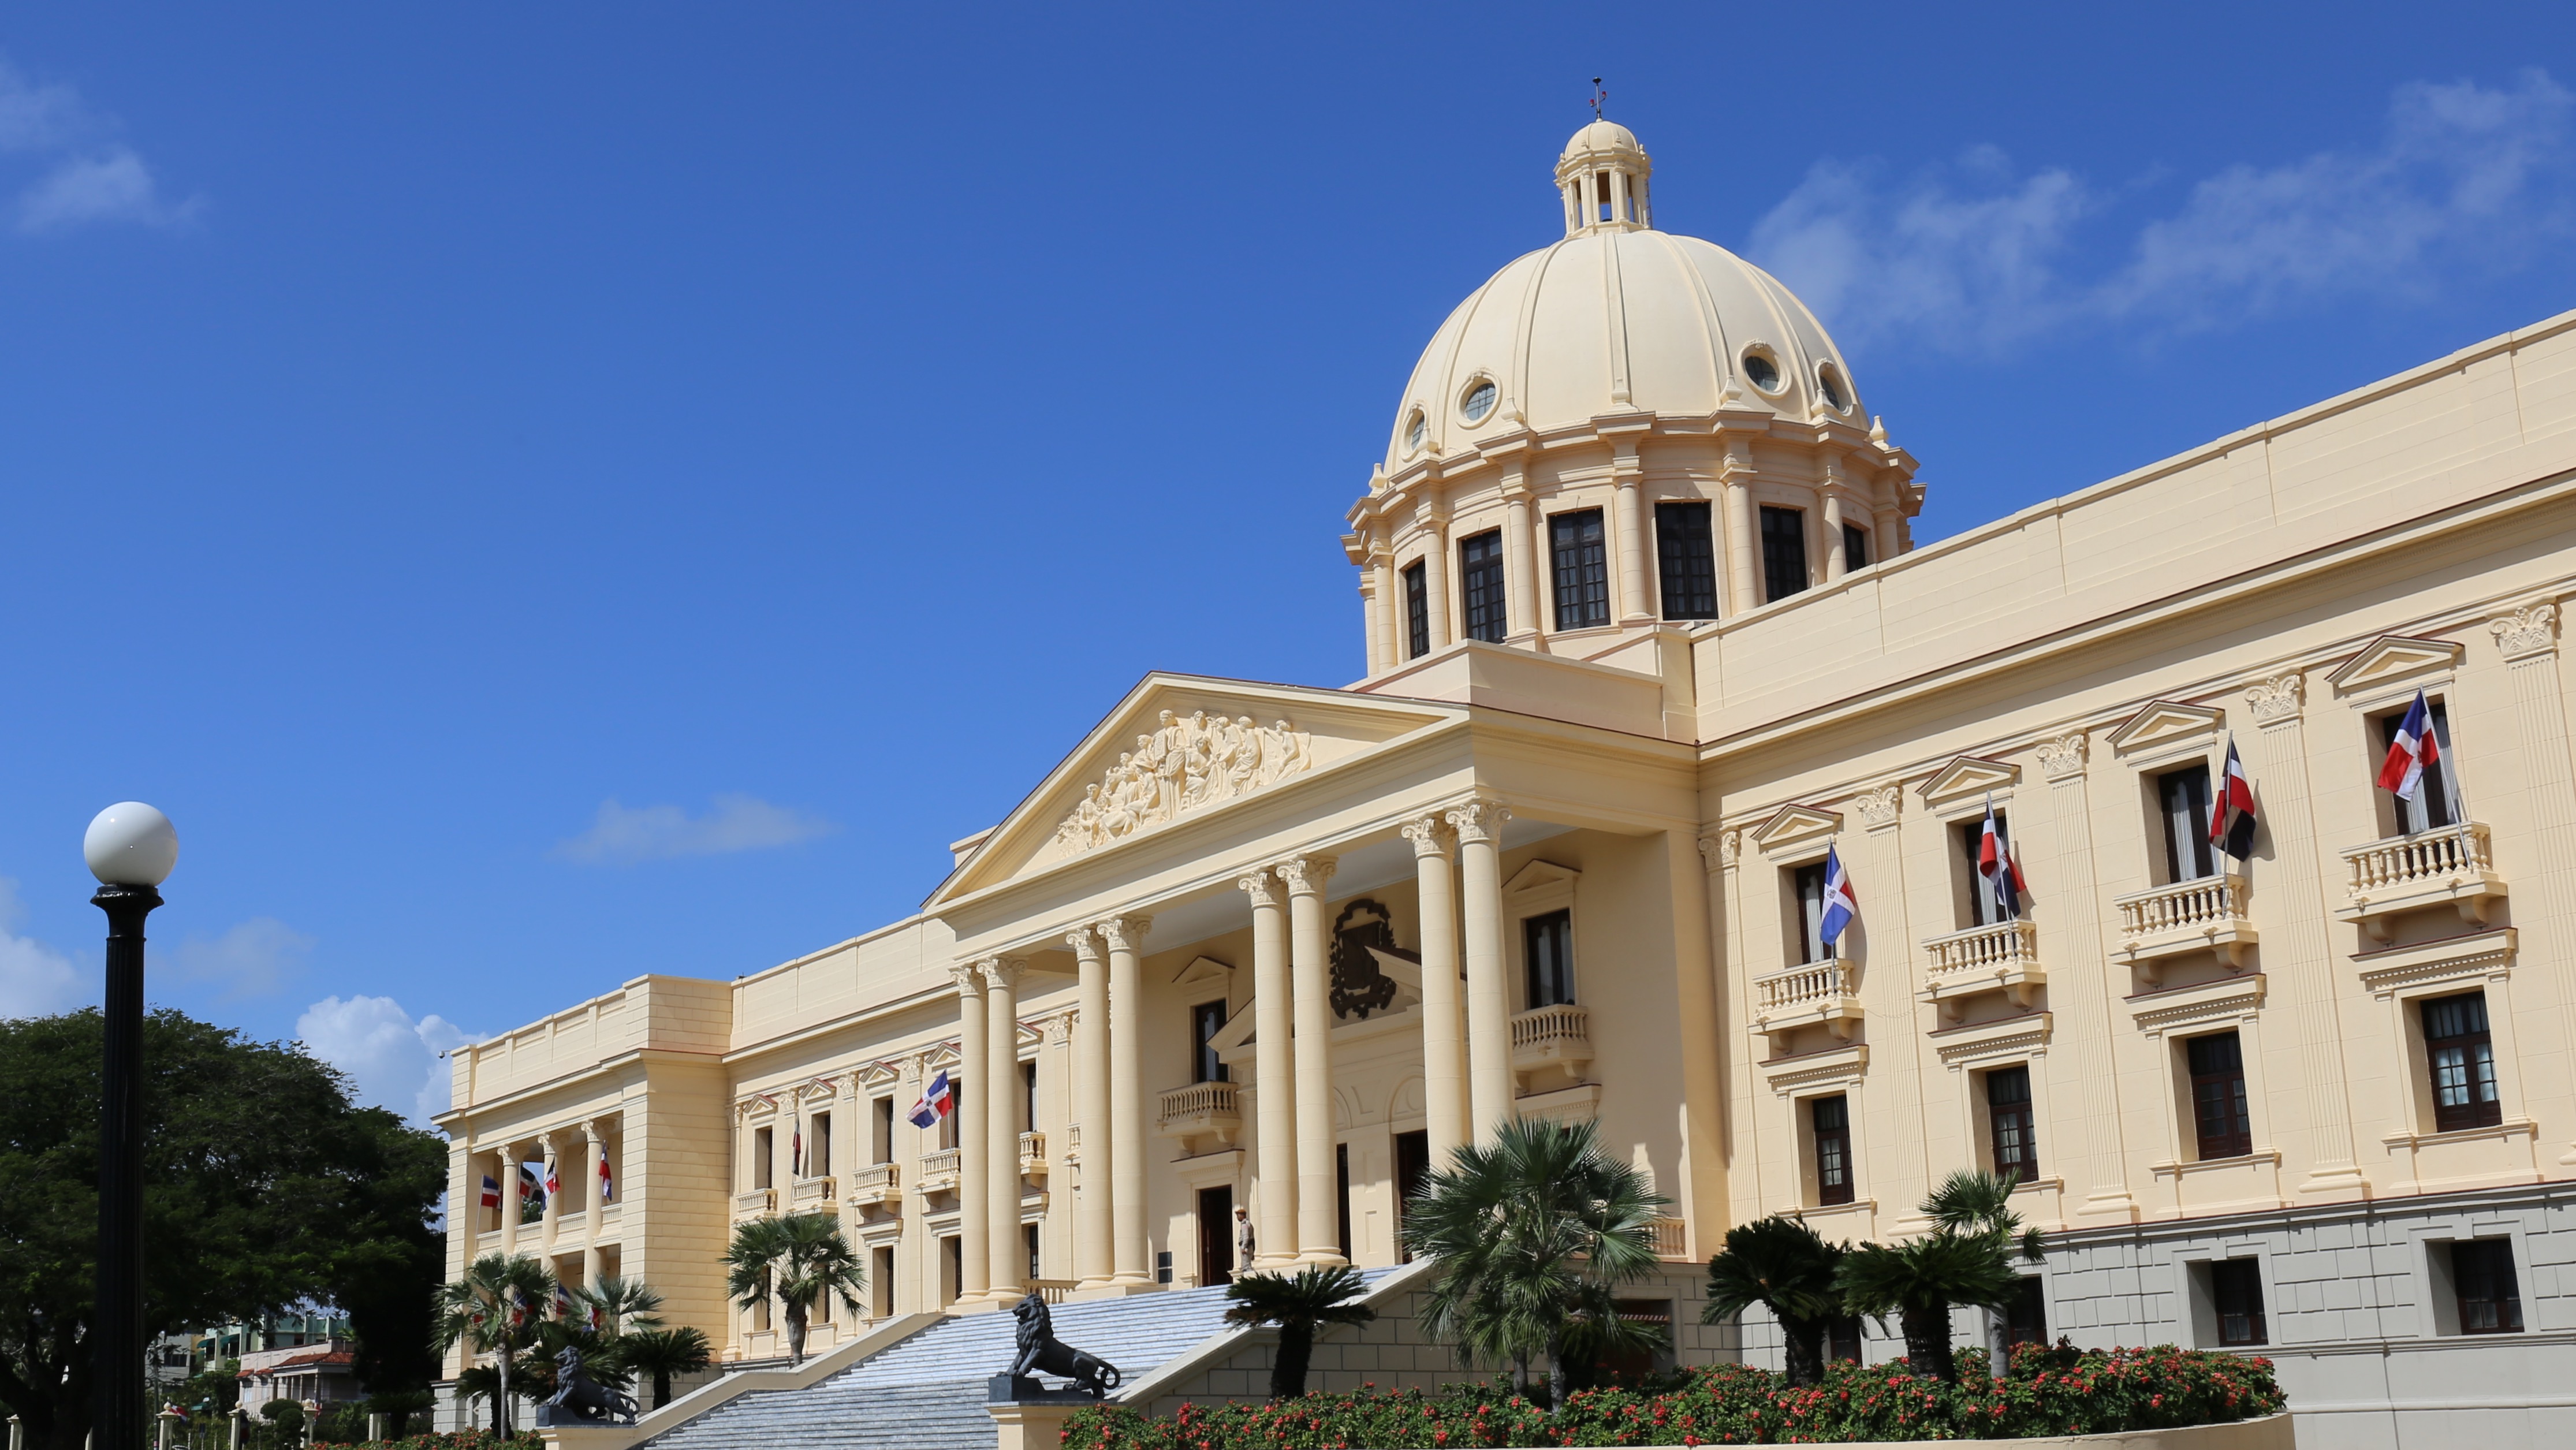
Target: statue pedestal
1032	1424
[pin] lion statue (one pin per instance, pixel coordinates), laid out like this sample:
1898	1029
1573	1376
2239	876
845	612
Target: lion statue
585	1399
1042	1353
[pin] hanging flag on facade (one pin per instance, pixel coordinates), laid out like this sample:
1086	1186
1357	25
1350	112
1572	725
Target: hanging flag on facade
935	1102
2415	748
491	1191
554	1185
607	1189
528	1185
563	1301
2231	818
796	1149
1842	904
1996	863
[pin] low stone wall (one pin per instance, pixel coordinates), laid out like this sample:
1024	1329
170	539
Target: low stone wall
1041	1427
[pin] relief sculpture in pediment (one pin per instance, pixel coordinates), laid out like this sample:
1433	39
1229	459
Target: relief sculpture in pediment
1190	762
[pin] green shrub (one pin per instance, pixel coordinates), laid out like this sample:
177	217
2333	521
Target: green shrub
454	1440
2057	1391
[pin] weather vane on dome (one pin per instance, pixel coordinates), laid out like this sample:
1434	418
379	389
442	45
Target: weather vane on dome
1598	96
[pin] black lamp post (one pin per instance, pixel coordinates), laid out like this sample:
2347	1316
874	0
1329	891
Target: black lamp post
130	849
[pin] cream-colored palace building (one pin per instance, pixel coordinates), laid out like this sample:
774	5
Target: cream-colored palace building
1647	631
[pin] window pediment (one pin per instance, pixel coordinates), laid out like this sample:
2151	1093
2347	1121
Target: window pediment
1966	776
880	1074
1793	826
2393	657
1541	876
2166	725
1203	970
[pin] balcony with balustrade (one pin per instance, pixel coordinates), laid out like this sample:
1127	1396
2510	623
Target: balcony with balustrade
1825	993
1555	1038
1203	1113
877	1186
1033	1155
938	1173
753	1203
2002	957
2448	866
808	1195
2207	915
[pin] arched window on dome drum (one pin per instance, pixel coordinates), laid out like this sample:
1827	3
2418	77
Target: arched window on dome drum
1417	610
1480	586
1686	554
1582	570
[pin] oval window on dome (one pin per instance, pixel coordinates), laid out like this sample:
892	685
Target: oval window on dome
1479	401
1763	373
1414	428
1832	384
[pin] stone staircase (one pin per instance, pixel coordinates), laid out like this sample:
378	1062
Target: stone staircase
928	1392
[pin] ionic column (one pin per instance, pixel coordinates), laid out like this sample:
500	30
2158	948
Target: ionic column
1274	1104
974	1165
1002	1124
1479	824
1627	508
1125	934
1836	562
1319	1238
1521	597
1744	560
1091	1224
1444	1051
1435	578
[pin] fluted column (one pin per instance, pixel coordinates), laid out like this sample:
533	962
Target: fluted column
1444	1050
2545	905
1126	936
1479	824
1002	1124
2086	998
1628	510
1091	1224
1319	1237
1743	554
1274	1103
974	1166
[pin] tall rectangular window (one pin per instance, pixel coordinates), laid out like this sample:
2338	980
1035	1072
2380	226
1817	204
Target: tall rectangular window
1417	610
2236	1292
881	1131
2461	1058
1207	1019
1412	1170
2026	1313
1784	553
1809	884
2184	795
1855	547
2011	1126
763	1153
1582	570
1028	1097
1686	559
2437	801
1342	1195
956	1114
1548	943
1985	904
881	1282
1480	586
1830	1121
818	1146
2490	1296
2219	1110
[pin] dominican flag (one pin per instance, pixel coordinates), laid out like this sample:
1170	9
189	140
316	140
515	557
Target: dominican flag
2231	817
491	1191
528	1185
1842	904
935	1102
796	1150
563	1301
607	1189
1995	862
553	1184
518	1307
2415	748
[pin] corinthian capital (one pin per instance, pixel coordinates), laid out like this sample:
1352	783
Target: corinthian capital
2528	631
1427	836
1479	820
1305	875
970	982
1085	943
1124	933
1001	973
1260	885
2276	699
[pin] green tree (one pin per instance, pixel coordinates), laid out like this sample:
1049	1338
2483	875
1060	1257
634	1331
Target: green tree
1966	1259
799	1258
1534	1232
233	1130
663	1353
619	1306
1788	1268
1299	1306
496	1310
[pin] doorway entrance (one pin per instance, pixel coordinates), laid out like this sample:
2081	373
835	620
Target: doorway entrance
1216	1236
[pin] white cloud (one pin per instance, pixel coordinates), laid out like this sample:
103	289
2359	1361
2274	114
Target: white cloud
735	823
86	178
1977	256
392	1060
253	959
35	980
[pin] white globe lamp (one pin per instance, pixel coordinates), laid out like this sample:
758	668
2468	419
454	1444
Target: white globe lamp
131	844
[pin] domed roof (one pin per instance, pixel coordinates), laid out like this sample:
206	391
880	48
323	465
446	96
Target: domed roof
1618	318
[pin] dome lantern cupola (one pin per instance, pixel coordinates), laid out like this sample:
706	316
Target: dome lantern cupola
1602	176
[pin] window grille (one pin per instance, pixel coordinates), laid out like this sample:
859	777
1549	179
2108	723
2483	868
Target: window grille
2219	1110
2011	1123
1480	586
1686	555
2461	1058
1784	553
1831	1121
1582	570
1417	610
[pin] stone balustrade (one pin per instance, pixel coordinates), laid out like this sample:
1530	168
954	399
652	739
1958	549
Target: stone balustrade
808	1193
2003	956
2187	916
1826	992
754	1202
875	1185
2447	866
938	1172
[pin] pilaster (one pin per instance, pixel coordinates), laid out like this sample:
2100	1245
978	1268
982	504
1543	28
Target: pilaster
2545	909
2084	991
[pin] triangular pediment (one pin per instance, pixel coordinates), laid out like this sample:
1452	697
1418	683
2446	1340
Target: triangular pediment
2392	658
1538	875
1793	825
880	1074
1968	775
2164	724
1203	969
1181	749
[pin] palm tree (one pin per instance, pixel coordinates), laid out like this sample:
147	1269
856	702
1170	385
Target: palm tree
494	1310
800	1258
1299	1306
1788	1268
618	1306
1966	1259
1534	1232
663	1353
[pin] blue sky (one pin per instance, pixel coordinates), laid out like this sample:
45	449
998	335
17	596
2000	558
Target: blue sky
544	496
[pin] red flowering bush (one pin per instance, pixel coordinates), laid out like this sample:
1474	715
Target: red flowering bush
453	1440
2060	1391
